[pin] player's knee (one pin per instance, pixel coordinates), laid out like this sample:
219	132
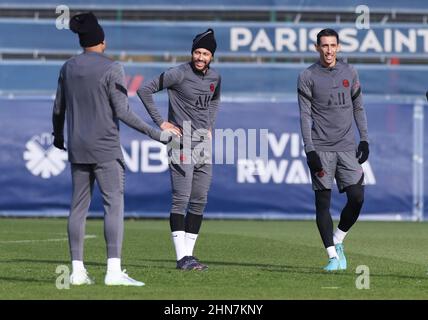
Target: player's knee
197	203
322	201
178	208
356	195
197	207
357	200
179	204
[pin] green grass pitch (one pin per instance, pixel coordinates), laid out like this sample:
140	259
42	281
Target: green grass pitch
247	260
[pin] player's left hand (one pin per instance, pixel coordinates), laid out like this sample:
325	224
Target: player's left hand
59	143
363	152
172	128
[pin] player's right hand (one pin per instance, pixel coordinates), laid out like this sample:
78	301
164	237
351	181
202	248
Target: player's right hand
59	143
171	128
314	162
170	139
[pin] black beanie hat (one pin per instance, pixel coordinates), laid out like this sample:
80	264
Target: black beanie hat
87	27
205	40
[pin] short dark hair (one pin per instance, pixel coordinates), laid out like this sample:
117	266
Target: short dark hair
327	33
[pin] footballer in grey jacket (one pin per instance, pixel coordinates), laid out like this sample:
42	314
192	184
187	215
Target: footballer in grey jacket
330	100
194	97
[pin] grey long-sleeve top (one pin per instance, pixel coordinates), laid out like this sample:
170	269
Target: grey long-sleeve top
92	96
193	96
329	101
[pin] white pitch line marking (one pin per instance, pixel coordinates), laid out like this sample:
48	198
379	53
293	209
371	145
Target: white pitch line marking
330	287
89	236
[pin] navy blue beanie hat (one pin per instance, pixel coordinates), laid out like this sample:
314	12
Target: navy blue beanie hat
87	27
205	40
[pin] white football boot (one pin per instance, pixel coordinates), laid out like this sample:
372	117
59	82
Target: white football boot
121	279
80	277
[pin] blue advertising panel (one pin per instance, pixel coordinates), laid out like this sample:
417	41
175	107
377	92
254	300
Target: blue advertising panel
238	79
233	38
36	177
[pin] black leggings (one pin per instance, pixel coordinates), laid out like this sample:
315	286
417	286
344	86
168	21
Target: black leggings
191	223
348	217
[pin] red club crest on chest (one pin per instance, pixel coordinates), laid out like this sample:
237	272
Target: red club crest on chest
345	83
212	87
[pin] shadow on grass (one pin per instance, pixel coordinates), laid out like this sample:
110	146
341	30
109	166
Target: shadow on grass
162	263
169	264
55	262
16	279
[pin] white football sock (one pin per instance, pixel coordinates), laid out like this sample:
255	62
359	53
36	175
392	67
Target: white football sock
190	240
77	266
339	236
331	251
179	243
113	265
